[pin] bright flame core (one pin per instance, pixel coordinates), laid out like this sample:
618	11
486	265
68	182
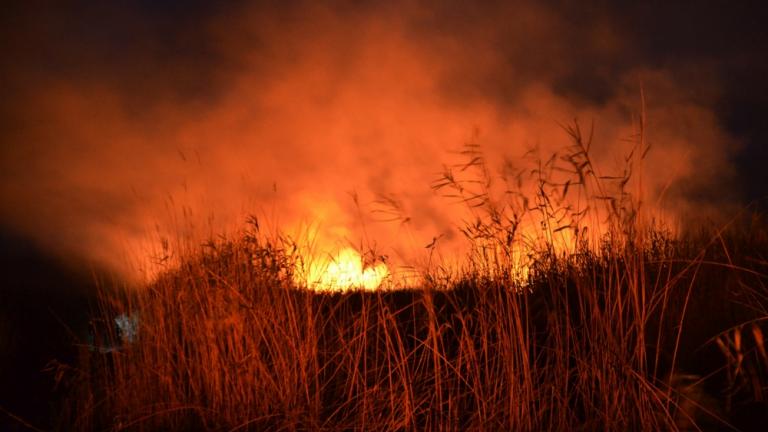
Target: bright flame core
343	272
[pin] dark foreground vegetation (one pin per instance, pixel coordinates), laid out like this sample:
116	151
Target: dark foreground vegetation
44	303
665	337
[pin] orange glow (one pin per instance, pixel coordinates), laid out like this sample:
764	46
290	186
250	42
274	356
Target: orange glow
344	271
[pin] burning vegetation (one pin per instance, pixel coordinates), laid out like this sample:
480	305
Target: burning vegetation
382	216
563	315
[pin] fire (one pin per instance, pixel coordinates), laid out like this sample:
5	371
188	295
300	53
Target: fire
347	270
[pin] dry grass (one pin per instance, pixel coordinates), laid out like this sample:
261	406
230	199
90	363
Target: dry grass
601	332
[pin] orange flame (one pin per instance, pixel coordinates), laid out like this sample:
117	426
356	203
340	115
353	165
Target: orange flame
347	270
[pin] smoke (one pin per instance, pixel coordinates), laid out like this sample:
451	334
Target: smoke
122	127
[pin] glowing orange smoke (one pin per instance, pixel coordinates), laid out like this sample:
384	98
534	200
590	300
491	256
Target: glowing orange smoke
303	105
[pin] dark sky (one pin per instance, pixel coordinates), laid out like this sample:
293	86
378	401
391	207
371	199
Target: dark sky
730	41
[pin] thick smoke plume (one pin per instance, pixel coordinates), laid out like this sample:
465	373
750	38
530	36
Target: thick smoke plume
121	130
